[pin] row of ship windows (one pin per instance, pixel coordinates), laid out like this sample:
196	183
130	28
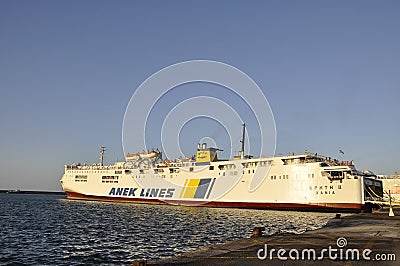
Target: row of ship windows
114	179
91	172
109	179
231	173
172	170
255	164
104	179
177	170
211	168
157	171
81	178
273	177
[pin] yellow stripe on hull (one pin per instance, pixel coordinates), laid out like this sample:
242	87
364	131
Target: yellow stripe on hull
191	188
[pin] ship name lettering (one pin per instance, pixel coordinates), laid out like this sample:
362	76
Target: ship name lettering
162	192
322	187
323	190
144	192
326	192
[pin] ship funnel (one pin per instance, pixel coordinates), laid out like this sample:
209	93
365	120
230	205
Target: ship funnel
204	146
198	146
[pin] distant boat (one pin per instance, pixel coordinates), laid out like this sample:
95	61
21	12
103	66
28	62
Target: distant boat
14	191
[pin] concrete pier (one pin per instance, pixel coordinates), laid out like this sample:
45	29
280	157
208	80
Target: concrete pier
359	239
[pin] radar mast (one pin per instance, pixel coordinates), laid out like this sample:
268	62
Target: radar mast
242	141
102	150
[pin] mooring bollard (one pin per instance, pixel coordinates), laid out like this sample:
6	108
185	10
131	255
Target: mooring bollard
337	216
139	263
257	231
391	213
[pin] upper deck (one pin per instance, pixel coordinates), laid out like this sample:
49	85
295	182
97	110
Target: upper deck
286	159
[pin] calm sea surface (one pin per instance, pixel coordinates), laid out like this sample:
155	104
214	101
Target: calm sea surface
49	229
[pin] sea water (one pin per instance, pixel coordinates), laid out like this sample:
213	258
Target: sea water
50	229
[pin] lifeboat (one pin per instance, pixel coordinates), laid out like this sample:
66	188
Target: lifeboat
132	156
143	155
148	155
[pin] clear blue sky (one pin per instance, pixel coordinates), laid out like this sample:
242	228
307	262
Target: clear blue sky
329	69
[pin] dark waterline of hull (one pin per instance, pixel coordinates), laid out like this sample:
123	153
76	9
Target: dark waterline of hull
322	207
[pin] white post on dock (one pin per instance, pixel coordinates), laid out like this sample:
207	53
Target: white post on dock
391	213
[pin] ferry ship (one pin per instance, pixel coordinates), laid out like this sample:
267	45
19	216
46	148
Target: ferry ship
305	181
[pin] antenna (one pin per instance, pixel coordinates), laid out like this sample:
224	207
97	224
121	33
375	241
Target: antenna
102	150
242	141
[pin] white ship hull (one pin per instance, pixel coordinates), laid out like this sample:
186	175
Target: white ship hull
298	182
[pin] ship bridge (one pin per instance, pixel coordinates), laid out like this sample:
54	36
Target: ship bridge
308	157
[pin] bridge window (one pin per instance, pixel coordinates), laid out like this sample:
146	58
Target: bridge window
81	178
109	179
